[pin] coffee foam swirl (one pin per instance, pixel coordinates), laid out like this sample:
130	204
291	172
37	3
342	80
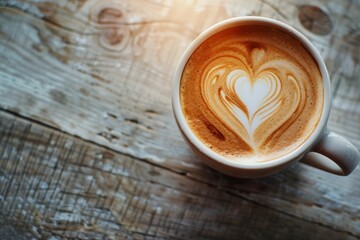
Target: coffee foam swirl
262	95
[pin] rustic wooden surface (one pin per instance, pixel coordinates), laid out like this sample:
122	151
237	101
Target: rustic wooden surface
89	148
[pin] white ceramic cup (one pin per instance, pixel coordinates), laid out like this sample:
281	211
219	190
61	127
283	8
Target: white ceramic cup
323	149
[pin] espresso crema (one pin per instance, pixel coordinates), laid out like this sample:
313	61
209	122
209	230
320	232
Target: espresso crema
252	93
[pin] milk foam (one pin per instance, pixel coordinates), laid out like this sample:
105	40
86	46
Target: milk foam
260	97
263	95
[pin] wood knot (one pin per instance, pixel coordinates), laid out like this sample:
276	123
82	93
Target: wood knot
315	19
113	36
58	96
110	19
353	37
109	16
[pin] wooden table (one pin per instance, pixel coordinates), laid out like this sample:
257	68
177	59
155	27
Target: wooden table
89	148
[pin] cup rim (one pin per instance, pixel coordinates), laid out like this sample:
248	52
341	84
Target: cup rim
198	144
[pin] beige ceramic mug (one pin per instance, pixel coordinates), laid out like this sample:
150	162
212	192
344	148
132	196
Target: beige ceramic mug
323	149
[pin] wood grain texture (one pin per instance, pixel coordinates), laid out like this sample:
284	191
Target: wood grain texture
61	187
101	71
109	66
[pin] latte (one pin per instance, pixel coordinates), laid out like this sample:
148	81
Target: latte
252	93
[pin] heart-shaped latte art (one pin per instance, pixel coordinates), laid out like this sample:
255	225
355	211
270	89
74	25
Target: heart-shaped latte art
244	100
250	98
259	96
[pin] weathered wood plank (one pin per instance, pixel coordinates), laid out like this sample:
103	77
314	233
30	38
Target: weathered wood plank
57	186
65	64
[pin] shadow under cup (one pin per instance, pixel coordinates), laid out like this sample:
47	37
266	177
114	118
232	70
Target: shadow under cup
221	162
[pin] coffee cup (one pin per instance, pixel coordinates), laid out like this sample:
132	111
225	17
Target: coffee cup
252	96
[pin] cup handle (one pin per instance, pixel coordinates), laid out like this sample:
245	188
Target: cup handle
334	154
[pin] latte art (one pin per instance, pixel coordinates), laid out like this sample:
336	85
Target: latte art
249	97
